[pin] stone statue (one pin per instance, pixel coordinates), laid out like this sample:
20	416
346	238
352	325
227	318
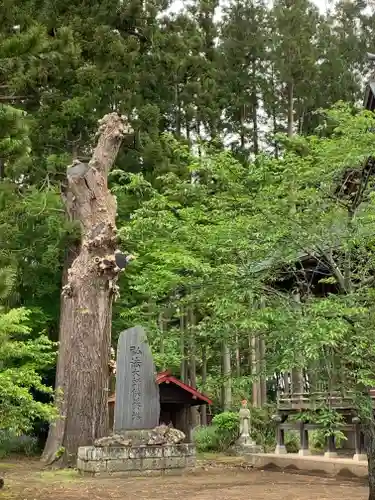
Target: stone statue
245	444
244	414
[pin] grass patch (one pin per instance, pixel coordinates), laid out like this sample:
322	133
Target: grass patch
59	475
209	455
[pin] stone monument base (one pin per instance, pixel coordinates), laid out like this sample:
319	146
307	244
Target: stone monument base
155	451
136	460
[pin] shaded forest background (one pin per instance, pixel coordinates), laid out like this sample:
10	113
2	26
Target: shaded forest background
196	88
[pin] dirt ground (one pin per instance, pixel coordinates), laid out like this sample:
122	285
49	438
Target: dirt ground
214	481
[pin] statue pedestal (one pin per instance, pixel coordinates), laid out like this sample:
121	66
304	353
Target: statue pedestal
245	440
246	446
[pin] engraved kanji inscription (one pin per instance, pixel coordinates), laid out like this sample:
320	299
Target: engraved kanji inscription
136	365
137	393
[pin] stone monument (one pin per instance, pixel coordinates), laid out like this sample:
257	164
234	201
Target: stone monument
139	445
137	393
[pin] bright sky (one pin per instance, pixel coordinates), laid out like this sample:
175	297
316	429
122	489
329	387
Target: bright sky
322	4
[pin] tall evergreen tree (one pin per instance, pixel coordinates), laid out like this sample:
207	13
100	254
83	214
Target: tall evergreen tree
243	46
294	55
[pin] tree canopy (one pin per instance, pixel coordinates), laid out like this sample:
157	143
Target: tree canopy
246	191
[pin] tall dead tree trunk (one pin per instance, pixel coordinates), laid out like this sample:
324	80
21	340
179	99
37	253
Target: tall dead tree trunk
57	429
86	302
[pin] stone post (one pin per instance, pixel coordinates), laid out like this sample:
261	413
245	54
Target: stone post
304	439
280	441
331	447
359	441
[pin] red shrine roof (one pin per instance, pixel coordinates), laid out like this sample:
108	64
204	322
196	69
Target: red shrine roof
167	378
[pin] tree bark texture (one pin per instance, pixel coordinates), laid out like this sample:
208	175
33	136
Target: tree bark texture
204	382
161	329
369	431
254	99
86	302
290	90
259	397
238	357
227	377
184	364
193	364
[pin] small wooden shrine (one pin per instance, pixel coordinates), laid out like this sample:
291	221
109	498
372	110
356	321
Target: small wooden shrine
176	401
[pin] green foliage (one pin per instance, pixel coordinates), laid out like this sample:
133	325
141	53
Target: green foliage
15	146
292	442
15	444
330	421
21	357
227	422
207	438
317	440
263	428
215	237
220	435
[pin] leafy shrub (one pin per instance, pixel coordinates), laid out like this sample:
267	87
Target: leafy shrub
317	439
263	428
206	438
11	444
220	435
228	421
22	356
292	441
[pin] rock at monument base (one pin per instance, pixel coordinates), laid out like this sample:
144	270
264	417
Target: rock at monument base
113	441
162	434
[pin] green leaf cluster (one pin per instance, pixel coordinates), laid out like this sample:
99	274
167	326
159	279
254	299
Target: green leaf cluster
22	357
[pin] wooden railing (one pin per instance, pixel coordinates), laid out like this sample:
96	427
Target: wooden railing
314	400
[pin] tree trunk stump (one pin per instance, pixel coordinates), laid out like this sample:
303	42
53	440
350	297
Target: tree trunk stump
86	301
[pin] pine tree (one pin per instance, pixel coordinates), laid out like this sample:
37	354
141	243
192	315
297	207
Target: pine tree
294	55
243	53
207	97
341	62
